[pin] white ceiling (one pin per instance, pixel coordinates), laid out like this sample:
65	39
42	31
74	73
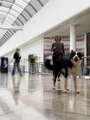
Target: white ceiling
81	21
17	13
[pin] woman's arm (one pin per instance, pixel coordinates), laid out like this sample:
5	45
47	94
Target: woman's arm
63	48
53	47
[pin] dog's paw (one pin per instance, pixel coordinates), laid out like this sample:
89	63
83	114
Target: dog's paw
65	91
53	88
59	79
78	92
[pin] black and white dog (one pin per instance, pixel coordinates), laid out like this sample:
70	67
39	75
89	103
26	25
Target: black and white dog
66	67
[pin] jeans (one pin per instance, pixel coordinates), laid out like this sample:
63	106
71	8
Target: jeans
16	64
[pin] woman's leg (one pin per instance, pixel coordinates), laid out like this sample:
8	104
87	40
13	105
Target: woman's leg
14	69
19	69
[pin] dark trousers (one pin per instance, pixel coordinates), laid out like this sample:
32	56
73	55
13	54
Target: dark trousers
55	57
16	65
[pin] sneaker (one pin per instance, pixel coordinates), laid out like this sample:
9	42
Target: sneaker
13	74
21	75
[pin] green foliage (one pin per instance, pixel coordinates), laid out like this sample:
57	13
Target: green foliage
32	58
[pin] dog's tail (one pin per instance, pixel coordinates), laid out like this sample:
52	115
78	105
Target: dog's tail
48	64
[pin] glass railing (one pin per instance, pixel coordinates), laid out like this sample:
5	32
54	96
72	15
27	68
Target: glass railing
39	68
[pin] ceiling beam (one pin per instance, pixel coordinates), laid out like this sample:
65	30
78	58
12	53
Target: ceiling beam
6	27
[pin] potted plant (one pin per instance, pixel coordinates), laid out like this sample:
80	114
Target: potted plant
32	58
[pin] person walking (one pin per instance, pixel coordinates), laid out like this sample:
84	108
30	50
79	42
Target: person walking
16	64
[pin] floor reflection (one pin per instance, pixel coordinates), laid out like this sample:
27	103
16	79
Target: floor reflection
31	97
16	80
3	80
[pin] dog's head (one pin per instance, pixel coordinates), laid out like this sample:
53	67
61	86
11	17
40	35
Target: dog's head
76	56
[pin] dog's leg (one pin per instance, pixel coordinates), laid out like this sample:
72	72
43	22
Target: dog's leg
65	86
66	78
55	77
54	82
59	77
75	84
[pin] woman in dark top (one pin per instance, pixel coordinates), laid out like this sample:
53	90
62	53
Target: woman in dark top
57	49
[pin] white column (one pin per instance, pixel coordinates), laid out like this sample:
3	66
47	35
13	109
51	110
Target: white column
72	38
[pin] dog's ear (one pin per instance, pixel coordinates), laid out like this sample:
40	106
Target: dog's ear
72	51
72	54
80	55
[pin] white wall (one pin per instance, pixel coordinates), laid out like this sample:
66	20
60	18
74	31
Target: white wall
52	14
34	47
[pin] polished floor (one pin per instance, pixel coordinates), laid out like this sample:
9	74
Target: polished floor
31	97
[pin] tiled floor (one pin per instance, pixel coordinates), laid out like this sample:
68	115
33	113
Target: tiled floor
31	97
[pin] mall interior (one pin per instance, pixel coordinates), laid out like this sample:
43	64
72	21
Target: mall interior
31	26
